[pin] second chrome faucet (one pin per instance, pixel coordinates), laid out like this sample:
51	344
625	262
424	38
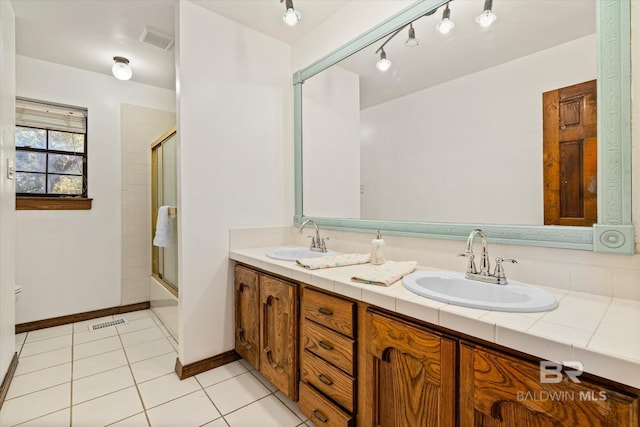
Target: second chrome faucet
484	274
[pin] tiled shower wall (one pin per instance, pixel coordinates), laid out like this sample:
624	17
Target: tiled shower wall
140	126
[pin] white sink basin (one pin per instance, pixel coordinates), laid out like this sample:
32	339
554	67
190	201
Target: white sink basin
454	288
294	253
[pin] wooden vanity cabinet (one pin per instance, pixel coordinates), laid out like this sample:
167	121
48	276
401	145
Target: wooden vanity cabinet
409	374
247	300
497	390
267	327
327	359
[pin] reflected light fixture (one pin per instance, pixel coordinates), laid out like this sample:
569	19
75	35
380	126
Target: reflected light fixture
445	24
121	69
412	41
291	16
487	17
383	63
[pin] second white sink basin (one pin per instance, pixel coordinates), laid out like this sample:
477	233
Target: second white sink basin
454	288
294	253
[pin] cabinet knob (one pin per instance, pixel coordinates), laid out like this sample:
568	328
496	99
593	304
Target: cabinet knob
325	380
325	345
325	311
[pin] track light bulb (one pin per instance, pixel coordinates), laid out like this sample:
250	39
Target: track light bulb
412	41
291	16
487	17
445	24
383	63
121	69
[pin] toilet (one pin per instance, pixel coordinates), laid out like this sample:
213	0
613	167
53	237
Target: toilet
18	291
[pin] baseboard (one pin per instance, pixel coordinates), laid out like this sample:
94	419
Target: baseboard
79	317
195	368
4	388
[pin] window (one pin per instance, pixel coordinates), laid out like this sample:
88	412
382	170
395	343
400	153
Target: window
51	150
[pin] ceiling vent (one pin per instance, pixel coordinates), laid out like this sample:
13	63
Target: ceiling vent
156	38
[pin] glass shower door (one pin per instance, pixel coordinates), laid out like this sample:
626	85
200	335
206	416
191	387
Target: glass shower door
165	193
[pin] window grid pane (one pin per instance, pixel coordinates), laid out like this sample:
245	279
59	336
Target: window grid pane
45	171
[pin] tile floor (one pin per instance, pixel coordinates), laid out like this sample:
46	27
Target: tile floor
123	376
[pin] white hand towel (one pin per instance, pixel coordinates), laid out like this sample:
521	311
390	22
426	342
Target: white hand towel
163	228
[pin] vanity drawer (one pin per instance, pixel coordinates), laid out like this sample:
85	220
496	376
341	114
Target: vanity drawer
329	345
328	379
320	410
332	312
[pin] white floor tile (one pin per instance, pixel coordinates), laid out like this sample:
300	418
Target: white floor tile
55	331
45	345
39	380
35	405
43	360
221	373
270	411
247	365
139	420
58	419
141	336
20	338
99	363
236	392
166	388
148	350
100	384
264	381
192	410
92	348
137	325
293	406
155	367
107	409
87	336
135	315
220	422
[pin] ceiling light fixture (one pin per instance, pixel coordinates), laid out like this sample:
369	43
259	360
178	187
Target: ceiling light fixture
383	63
412	41
487	17
291	16
121	69
446	24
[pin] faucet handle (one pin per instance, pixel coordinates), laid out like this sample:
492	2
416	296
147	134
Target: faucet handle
499	270
471	265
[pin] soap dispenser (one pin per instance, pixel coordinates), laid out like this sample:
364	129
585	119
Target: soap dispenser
377	250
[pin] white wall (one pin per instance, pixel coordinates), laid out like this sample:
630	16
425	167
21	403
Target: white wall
235	162
7	187
331	155
141	126
70	261
468	150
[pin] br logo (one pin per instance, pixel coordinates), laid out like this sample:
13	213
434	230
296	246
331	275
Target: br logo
552	372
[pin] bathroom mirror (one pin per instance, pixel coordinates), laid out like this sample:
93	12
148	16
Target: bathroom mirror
376	155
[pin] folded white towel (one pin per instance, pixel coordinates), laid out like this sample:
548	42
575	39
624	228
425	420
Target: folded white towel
163	228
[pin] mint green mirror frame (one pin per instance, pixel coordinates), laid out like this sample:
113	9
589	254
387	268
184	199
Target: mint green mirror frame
614	231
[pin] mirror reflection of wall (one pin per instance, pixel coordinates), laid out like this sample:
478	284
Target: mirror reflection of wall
452	132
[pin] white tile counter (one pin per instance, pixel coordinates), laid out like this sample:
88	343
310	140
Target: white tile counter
602	333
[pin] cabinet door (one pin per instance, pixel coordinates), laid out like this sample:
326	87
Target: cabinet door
502	391
278	334
409	373
247	305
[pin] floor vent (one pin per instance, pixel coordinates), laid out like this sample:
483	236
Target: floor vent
107	324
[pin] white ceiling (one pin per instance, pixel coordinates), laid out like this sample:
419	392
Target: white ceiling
87	34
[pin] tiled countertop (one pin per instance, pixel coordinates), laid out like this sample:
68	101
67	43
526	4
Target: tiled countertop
602	333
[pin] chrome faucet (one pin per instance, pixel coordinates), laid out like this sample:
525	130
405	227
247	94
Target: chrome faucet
317	243
484	274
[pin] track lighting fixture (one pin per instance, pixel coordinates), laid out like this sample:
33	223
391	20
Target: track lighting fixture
412	41
383	63
487	17
121	69
291	16
445	24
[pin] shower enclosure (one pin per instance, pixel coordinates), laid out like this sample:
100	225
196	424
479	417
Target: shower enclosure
164	192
